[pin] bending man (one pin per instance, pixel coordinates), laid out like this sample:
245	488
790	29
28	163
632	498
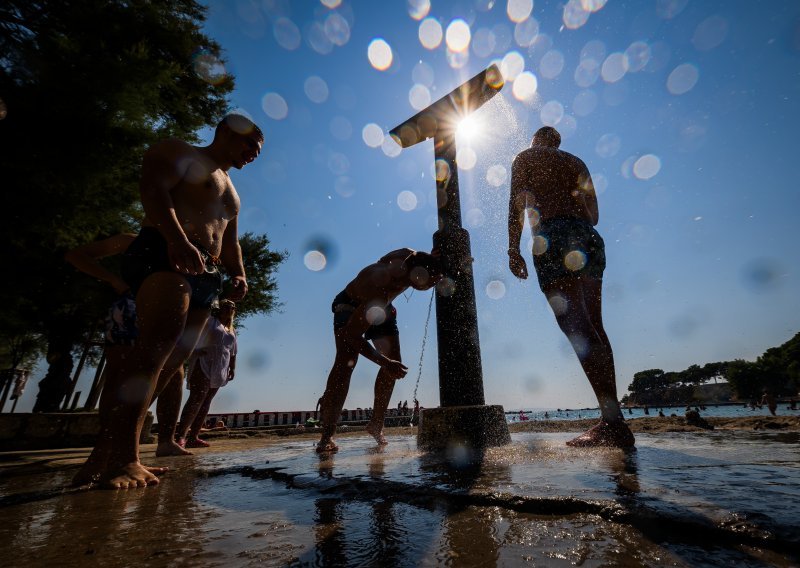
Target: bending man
363	311
569	256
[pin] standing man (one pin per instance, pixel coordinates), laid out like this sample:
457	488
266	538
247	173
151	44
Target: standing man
569	256
363	311
190	228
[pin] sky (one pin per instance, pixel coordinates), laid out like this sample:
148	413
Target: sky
685	113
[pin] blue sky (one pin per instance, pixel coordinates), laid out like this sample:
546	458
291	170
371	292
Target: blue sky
685	113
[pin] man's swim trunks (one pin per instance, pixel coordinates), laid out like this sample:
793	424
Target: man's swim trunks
567	246
148	254
121	321
343	307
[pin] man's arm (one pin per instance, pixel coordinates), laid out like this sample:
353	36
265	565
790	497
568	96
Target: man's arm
516	220
160	175
589	196
85	258
354	332
231	257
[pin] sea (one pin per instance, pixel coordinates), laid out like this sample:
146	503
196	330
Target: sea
709	410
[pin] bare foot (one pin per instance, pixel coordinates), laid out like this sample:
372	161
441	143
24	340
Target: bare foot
196	443
171	448
129	476
610	434
378	435
327	447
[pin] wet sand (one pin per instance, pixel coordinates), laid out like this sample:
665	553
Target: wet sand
686	497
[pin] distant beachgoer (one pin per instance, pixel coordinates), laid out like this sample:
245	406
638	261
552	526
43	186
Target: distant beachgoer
771	402
211	367
569	257
190	227
363	312
693	418
661	413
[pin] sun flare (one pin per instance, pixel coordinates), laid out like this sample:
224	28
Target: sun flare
468	128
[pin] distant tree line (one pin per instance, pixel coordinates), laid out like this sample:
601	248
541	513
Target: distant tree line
776	371
85	87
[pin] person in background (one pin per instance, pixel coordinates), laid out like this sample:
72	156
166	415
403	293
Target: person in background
211	367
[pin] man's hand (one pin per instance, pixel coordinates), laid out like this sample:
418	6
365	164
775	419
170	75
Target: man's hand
395	369
238	288
185	258
517	264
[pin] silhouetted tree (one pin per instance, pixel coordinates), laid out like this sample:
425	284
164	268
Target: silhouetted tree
86	86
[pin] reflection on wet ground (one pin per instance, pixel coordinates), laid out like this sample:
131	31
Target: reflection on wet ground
679	500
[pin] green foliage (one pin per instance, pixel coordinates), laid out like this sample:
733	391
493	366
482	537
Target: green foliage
260	265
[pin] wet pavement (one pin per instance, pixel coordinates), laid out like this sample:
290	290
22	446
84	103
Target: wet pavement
680	499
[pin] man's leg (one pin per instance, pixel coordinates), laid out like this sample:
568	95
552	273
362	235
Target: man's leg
577	305
336	392
194	432
198	390
162	305
384	385
170	387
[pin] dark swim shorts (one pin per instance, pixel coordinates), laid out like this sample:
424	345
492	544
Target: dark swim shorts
343	307
565	247
148	254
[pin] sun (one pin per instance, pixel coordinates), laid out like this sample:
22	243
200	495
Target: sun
468	128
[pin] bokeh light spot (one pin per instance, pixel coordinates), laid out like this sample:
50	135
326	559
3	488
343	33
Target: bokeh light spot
551	64
209	68
458	35
682	79
380	54
710	33
586	73
495	289
274	106
525	86
585	102
316	89
317	39
442	170
540	245
337	29
637	56
524	32
430	33
418	9
519	10
614	67
512	65
466	158
406	200
419	97
574	15
551	114
314	260
575	260
475	218
608	145
372	135
331	3
496	175
390	147
668	9
558	304
423	74
483	42
647	166
286	33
